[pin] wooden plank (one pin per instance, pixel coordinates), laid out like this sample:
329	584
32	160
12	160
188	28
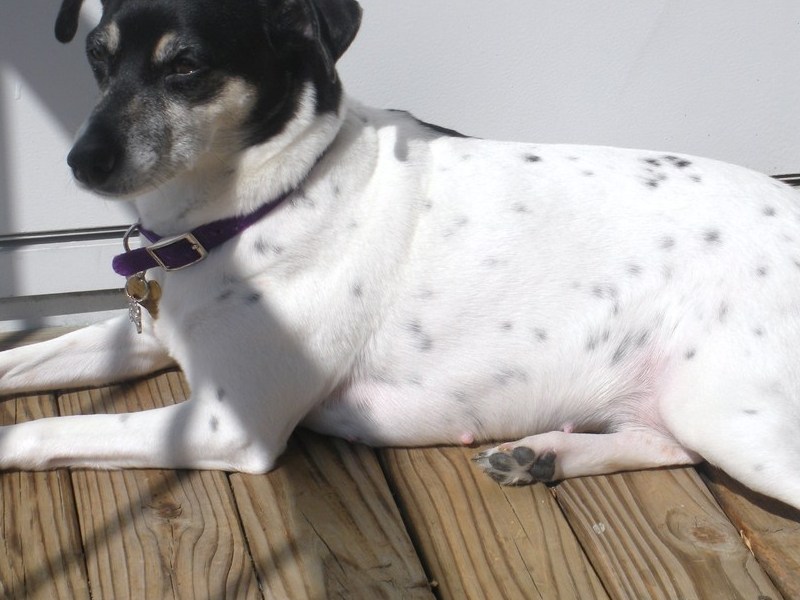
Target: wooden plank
158	534
481	540
324	525
770	528
660	534
24	338
41	554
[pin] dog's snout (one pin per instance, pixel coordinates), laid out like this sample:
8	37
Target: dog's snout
93	159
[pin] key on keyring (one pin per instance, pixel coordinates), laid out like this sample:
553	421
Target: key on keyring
137	288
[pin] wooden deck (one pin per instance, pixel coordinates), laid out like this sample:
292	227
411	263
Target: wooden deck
336	520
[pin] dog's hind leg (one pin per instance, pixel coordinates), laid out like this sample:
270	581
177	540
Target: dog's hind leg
742	416
560	455
96	355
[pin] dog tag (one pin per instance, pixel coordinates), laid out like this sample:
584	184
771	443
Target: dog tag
135	314
150	303
137	288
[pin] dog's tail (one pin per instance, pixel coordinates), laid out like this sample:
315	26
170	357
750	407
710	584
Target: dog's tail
67	20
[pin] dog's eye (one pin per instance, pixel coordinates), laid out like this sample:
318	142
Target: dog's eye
96	54
184	66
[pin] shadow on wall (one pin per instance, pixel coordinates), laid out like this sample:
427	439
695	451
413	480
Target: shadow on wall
57	74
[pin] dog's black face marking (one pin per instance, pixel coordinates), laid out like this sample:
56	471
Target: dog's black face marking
168	70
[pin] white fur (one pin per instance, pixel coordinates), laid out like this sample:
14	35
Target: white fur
422	289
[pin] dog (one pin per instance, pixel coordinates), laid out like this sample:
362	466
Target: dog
315	262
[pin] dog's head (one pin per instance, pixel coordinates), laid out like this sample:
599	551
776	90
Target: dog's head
185	79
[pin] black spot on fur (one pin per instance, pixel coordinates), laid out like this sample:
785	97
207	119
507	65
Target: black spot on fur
605	291
667	243
508	374
541	335
768	211
723	312
460	396
461	221
690	354
622	350
357	291
221	395
652	161
758	332
253	298
696	178
532	158
677	161
762	271
634	270
507	326
214	423
750	411
264	247
712	236
423	341
224	295
588	173
519	207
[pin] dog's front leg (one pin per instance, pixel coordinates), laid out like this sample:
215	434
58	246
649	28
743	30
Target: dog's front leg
96	355
186	435
242	409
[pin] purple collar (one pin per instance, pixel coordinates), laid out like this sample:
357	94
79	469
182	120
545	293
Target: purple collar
181	251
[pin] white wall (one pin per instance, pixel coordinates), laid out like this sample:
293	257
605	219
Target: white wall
715	78
711	77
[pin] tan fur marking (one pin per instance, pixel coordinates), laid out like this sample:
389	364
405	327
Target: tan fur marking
111	38
160	52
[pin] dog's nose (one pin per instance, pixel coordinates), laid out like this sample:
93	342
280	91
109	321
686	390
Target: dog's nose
92	160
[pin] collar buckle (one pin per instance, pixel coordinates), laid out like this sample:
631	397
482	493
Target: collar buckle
172	250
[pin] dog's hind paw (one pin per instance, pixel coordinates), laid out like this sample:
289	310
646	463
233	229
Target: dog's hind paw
517	466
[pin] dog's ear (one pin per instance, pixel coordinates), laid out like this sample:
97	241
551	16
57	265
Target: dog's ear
329	24
67	20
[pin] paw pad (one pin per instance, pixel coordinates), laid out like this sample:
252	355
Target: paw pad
519	466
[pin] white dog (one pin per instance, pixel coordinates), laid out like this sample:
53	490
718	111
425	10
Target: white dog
370	276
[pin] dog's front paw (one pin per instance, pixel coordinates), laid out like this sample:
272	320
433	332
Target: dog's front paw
517	466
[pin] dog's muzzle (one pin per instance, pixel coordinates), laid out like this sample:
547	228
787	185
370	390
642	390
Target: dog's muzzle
94	158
